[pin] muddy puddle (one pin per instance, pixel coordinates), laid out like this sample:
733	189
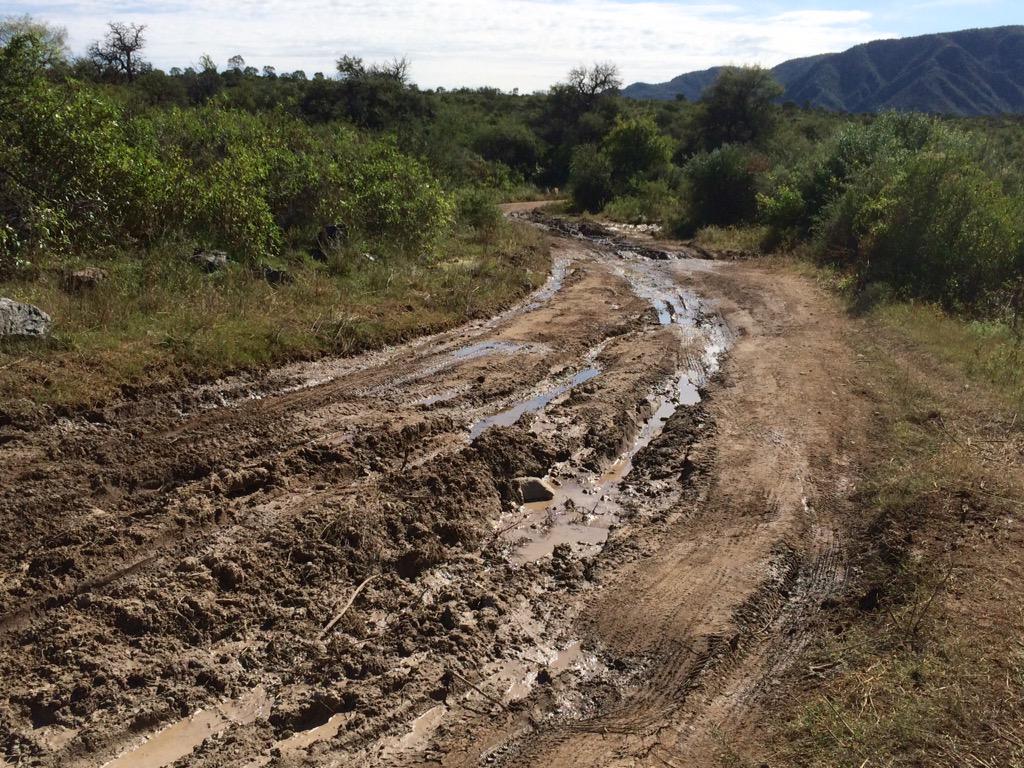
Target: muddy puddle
587	506
229	393
178	740
533	404
167	746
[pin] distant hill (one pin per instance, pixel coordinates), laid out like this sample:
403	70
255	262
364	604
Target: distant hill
973	72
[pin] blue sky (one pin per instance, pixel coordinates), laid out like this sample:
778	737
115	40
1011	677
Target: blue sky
526	44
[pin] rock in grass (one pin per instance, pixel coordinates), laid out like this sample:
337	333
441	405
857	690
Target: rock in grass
533	489
18	319
331	237
210	261
276	276
81	280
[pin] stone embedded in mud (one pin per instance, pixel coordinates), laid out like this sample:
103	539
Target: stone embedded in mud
533	489
18	319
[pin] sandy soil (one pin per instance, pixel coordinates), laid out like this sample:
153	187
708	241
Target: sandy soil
331	564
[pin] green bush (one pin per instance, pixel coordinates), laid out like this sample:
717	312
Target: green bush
650	201
72	179
942	230
478	209
636	150
512	144
738	108
83	174
721	189
783	210
590	178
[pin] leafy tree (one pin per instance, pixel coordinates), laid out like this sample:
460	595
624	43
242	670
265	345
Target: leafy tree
353	67
589	83
590	178
579	111
160	89
236	63
738	108
721	187
51	40
377	96
510	143
117	55
636	150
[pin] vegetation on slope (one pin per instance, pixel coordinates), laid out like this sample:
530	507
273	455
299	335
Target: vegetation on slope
972	72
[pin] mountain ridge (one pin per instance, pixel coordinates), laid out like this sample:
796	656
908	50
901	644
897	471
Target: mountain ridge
968	72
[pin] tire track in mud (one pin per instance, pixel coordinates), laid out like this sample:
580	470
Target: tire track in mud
372	467
689	677
150	569
202	436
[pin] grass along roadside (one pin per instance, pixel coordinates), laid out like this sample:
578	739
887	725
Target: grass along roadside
924	664
159	321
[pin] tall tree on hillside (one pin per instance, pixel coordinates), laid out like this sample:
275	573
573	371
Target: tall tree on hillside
118	52
51	40
591	82
354	68
580	110
739	107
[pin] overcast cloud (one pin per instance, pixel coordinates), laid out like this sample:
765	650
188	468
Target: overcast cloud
526	44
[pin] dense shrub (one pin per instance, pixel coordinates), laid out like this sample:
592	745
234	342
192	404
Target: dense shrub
80	174
590	178
650	201
71	174
939	228
512	144
478	209
738	108
721	189
636	150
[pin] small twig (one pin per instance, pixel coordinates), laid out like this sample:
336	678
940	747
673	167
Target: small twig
348	605
841	718
499	533
931	599
476	688
13	363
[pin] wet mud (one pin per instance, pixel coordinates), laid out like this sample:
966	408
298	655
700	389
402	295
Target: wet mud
329	565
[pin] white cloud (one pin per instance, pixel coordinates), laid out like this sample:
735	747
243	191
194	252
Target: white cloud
506	43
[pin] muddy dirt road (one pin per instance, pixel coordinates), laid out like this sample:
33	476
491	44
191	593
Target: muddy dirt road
332	565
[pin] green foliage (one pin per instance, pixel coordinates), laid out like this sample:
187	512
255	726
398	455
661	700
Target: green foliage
50	41
649	201
83	174
590	178
721	189
738	108
512	144
783	210
636	150
478	209
908	202
942	230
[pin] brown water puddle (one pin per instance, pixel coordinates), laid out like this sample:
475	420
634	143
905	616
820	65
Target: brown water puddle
536	403
586	506
178	740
